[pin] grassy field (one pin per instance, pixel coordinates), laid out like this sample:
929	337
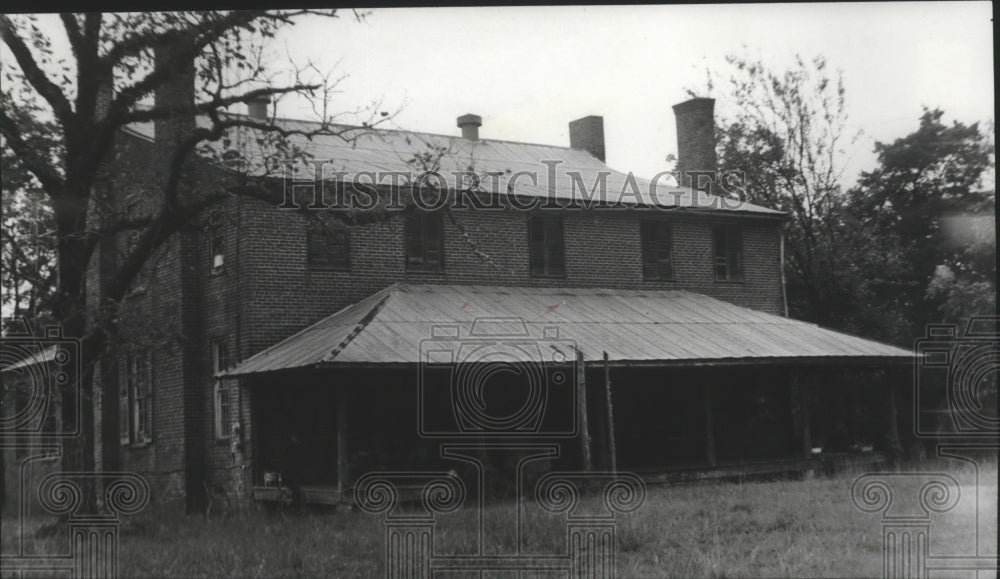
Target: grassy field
760	529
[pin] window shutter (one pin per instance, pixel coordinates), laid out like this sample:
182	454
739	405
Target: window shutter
657	250
555	250
433	242
414	239
536	246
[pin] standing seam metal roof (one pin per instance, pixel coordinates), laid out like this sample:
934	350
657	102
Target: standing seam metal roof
395	326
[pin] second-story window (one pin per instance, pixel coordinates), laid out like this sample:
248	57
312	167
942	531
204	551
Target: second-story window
657	250
327	246
546	253
140	280
727	253
216	242
424	232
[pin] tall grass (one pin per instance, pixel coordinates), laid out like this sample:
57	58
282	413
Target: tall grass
749	529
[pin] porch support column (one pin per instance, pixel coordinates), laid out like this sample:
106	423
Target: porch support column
581	389
343	476
709	427
612	454
894	448
799	393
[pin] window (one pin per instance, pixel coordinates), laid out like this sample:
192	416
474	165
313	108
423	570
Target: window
136	399
545	246
728	253
140	280
424	241
328	247
216	242
222	403
657	250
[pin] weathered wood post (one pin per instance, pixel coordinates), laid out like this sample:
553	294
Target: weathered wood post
894	448
799	393
709	427
343	463
612	456
581	388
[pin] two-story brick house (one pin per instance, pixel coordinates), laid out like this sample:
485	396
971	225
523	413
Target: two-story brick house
278	339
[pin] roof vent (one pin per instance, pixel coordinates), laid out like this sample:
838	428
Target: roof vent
470	126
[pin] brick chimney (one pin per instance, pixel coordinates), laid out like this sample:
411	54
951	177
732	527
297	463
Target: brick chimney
176	93
257	108
588	134
470	126
695	137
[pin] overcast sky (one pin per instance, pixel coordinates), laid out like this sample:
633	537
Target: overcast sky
529	71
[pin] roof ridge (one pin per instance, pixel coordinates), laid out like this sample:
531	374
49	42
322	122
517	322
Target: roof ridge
411	132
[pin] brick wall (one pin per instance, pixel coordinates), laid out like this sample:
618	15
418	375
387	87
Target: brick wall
602	250
266	292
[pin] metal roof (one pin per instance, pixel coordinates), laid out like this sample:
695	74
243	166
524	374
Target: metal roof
408	324
503	167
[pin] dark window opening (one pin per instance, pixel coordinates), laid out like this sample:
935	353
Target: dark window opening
136	399
223	402
546	254
728	253
657	250
217	242
424	232
140	280
328	247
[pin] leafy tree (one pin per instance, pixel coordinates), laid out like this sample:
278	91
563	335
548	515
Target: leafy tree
60	118
923	205
786	137
27	236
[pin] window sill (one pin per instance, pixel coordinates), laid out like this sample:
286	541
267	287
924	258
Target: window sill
223	441
328	268
424	271
138	445
730	281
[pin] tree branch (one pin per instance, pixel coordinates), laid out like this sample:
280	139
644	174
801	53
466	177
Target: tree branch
34	74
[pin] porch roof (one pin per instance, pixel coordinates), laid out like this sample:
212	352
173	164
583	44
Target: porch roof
410	324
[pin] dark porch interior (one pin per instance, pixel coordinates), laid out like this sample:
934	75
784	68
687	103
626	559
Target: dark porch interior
328	427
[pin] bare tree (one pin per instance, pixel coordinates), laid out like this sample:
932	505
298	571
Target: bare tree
84	101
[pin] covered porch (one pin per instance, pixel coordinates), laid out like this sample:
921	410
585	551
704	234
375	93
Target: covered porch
667	384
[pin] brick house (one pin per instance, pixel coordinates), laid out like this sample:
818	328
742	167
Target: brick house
268	339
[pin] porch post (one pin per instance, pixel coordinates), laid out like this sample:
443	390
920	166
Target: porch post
799	394
581	388
709	427
343	476
894	447
612	458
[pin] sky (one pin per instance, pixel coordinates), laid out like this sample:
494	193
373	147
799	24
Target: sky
528	71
